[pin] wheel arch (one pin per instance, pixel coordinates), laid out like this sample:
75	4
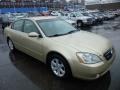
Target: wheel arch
7	38
54	52
63	56
79	21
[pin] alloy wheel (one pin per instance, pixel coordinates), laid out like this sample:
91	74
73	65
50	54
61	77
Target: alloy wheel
58	67
79	24
10	44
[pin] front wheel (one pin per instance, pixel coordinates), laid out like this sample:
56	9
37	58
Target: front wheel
79	24
59	66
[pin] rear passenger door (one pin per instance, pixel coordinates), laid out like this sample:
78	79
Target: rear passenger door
16	33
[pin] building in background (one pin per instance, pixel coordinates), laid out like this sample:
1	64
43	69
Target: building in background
104	6
14	6
60	4
32	3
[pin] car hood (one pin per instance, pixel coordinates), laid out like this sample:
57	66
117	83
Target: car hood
84	17
84	42
70	21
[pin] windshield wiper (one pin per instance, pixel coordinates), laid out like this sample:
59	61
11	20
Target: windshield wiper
55	35
73	31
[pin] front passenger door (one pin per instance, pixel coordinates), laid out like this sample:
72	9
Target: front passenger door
32	45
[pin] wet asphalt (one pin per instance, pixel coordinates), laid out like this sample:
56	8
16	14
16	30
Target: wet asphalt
19	71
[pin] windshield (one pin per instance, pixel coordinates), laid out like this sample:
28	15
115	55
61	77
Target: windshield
79	15
55	27
85	14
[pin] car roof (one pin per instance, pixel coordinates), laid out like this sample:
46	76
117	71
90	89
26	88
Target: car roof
41	17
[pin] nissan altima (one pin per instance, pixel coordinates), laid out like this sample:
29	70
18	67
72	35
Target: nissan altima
66	50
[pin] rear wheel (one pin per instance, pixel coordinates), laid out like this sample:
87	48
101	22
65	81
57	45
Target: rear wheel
10	44
59	66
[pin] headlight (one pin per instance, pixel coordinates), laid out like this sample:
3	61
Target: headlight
88	58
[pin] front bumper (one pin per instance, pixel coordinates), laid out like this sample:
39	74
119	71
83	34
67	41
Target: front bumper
99	20
88	22
91	71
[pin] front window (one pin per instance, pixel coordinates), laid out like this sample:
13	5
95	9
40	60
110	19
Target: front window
85	14
55	27
79	15
29	27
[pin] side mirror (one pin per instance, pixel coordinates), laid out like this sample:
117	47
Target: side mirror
33	34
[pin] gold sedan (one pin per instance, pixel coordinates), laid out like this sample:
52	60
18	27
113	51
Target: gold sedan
66	50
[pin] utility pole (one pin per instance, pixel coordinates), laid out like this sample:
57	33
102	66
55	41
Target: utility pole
100	5
14	5
83	2
34	5
0	9
23	3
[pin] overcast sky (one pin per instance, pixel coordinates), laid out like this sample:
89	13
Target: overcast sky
102	0
97	1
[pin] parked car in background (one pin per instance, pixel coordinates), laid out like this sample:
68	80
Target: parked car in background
45	13
117	12
66	50
96	16
110	15
33	14
80	19
55	13
62	15
16	16
70	22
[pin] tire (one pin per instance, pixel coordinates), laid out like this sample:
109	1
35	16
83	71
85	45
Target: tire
79	23
10	45
4	25
59	66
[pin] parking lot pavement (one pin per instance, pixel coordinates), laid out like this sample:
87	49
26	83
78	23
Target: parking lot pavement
19	71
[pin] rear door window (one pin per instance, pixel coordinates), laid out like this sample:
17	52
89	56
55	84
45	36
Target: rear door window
18	25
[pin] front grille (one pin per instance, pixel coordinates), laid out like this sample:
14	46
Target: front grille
73	24
89	20
108	55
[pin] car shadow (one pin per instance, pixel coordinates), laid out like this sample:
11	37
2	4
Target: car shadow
85	28
38	73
